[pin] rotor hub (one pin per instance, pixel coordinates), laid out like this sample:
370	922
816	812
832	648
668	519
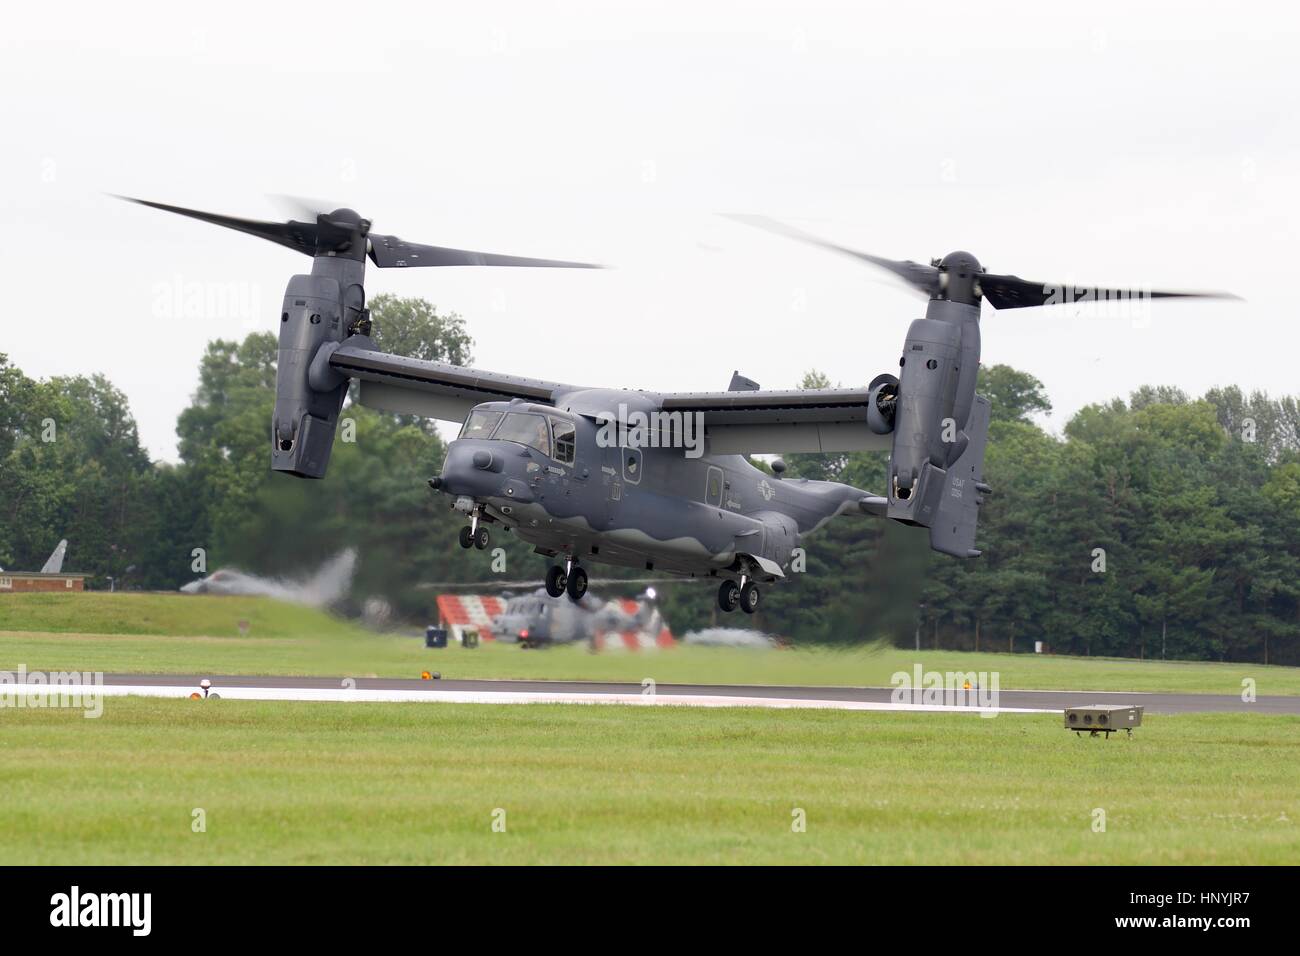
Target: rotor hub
960	264
959	274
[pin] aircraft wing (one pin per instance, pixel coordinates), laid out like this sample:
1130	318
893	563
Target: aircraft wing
736	422
781	422
394	383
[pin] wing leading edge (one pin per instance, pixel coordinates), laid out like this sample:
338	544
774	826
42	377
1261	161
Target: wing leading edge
395	383
782	422
736	422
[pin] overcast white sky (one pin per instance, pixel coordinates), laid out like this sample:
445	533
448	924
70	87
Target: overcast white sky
1137	144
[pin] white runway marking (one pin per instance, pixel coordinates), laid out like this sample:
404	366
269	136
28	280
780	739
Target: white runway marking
433	695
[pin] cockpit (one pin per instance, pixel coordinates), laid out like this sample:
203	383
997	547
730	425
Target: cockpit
550	433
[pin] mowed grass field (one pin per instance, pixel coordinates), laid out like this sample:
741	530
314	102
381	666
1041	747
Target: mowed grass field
200	634
292	782
295	782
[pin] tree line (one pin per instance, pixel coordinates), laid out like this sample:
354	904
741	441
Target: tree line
1160	525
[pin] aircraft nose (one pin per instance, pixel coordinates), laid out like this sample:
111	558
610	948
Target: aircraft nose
471	469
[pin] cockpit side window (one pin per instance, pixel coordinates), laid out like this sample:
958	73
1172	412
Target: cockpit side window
480	423
527	429
566	443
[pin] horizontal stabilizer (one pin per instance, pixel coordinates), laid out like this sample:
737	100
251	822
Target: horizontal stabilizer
875	505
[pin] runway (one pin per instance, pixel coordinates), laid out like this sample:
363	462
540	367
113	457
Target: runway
708	695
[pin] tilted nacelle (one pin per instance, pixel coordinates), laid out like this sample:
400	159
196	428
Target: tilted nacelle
924	427
317	313
939	429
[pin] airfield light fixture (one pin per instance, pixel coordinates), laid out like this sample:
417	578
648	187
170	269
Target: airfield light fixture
1104	719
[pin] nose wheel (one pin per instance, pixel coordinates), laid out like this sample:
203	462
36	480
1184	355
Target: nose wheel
475	535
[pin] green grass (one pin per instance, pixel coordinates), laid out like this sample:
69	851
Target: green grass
99	612
288	782
171	633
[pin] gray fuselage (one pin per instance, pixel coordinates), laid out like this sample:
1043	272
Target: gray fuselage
565	480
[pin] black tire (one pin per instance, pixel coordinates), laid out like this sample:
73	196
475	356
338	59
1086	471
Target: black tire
466	539
749	598
728	596
482	538
577	584
556	581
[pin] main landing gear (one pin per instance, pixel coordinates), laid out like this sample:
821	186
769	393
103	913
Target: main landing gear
474	535
569	578
744	595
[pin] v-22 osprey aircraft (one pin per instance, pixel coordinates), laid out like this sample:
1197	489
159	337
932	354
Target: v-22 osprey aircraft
653	480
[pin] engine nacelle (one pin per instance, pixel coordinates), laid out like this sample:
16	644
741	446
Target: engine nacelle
308	394
940	427
927	387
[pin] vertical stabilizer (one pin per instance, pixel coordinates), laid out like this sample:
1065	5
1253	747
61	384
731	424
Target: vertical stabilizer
54	564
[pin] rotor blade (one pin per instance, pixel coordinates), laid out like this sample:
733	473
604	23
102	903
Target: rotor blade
1013	292
299	236
302	208
924	279
389	252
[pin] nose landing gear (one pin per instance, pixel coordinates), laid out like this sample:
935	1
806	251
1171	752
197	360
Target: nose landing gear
473	535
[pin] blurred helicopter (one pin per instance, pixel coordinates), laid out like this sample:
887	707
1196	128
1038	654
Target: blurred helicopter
534	619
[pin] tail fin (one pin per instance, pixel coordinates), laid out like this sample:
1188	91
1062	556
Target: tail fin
54	564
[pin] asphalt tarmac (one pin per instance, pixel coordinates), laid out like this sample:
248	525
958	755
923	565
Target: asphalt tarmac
718	694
